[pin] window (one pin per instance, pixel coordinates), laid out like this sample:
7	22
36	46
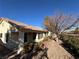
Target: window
7	37
0	35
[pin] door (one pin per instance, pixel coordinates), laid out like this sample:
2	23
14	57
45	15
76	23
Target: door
25	37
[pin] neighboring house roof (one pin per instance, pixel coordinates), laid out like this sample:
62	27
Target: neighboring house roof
24	26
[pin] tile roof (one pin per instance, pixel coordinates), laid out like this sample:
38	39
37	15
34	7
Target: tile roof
24	26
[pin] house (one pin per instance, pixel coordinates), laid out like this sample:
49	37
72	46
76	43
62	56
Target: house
14	34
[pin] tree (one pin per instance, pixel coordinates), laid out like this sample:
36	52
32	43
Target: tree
60	23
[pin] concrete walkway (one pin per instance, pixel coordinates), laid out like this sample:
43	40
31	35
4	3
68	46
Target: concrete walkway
55	51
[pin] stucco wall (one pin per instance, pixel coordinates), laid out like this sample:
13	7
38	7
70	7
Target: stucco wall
4	27
41	38
15	36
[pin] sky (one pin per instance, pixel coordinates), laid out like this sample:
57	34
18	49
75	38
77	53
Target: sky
33	12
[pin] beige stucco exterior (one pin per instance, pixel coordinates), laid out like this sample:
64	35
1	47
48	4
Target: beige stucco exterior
4	27
16	38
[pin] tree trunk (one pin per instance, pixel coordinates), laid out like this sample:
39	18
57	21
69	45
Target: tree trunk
55	37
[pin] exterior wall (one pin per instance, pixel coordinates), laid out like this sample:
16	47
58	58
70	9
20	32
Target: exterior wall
16	39
15	36
4	27
21	38
43	36
29	39
13	41
49	33
21	42
40	39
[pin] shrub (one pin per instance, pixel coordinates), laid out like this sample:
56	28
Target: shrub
72	41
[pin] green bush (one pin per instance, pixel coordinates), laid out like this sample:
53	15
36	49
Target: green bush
73	41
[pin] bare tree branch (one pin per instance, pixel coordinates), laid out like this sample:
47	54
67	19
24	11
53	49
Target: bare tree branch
60	23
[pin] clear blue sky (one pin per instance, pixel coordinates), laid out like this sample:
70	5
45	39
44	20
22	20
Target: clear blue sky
33	11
